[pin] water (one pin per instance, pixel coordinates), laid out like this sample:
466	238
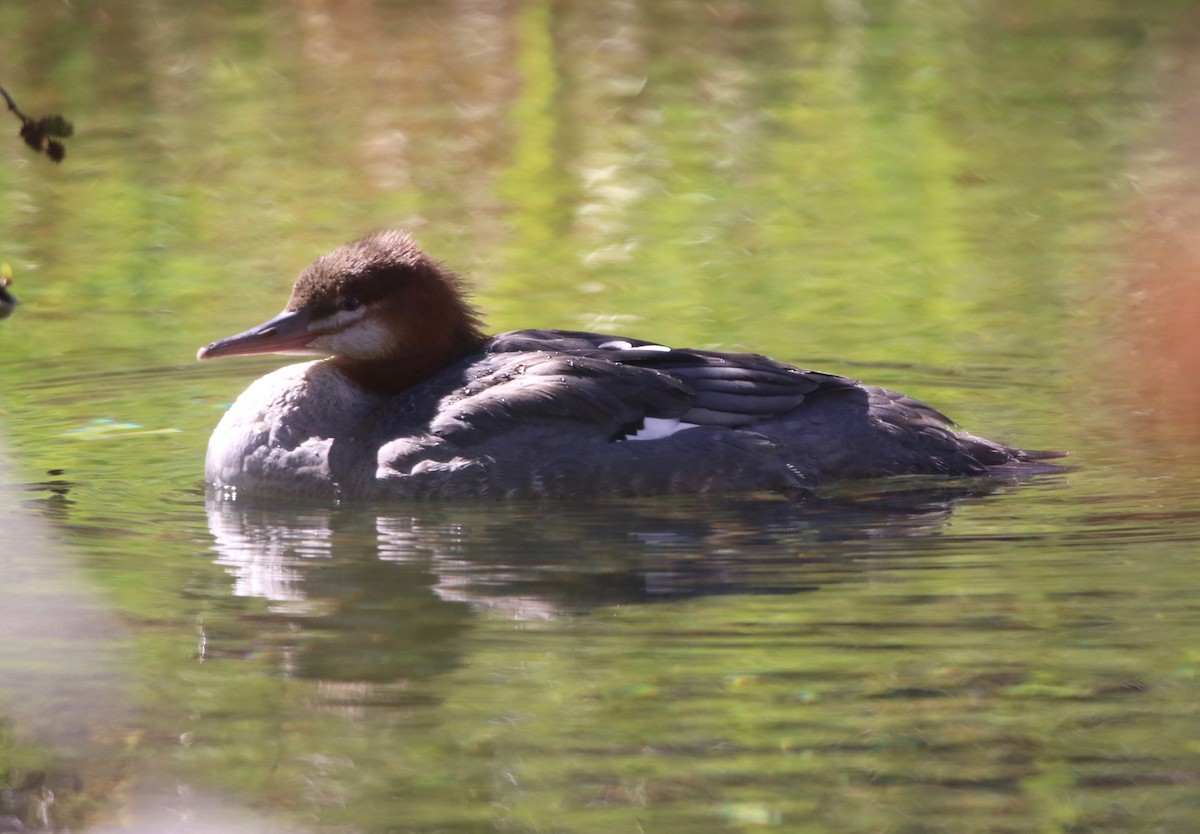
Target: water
980	205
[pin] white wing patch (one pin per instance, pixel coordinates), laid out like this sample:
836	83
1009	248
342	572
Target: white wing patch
653	428
656	428
621	344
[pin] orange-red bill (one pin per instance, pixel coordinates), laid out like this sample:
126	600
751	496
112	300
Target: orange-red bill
285	333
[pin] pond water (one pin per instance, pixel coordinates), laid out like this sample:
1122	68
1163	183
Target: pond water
987	205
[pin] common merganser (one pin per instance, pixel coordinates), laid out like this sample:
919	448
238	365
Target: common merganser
414	400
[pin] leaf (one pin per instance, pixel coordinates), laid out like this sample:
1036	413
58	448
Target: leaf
56	125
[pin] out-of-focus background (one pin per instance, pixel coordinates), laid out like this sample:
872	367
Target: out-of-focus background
991	205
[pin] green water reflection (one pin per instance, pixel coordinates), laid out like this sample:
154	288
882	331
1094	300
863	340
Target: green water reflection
931	195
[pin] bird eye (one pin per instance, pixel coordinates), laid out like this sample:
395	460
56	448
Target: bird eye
350	303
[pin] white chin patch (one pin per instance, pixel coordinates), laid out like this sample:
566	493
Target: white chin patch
656	428
362	338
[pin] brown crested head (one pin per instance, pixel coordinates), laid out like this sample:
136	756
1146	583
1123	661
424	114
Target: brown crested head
388	314
365	270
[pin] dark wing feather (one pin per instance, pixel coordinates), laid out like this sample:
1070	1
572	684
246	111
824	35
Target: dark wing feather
526	377
511	390
737	389
556	341
729	389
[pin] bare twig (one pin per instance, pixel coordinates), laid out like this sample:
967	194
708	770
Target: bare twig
12	105
44	134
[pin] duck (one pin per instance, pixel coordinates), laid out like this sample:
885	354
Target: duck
413	399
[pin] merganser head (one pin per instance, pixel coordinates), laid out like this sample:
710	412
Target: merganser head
387	313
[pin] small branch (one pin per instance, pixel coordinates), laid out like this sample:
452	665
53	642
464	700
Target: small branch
12	105
44	134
